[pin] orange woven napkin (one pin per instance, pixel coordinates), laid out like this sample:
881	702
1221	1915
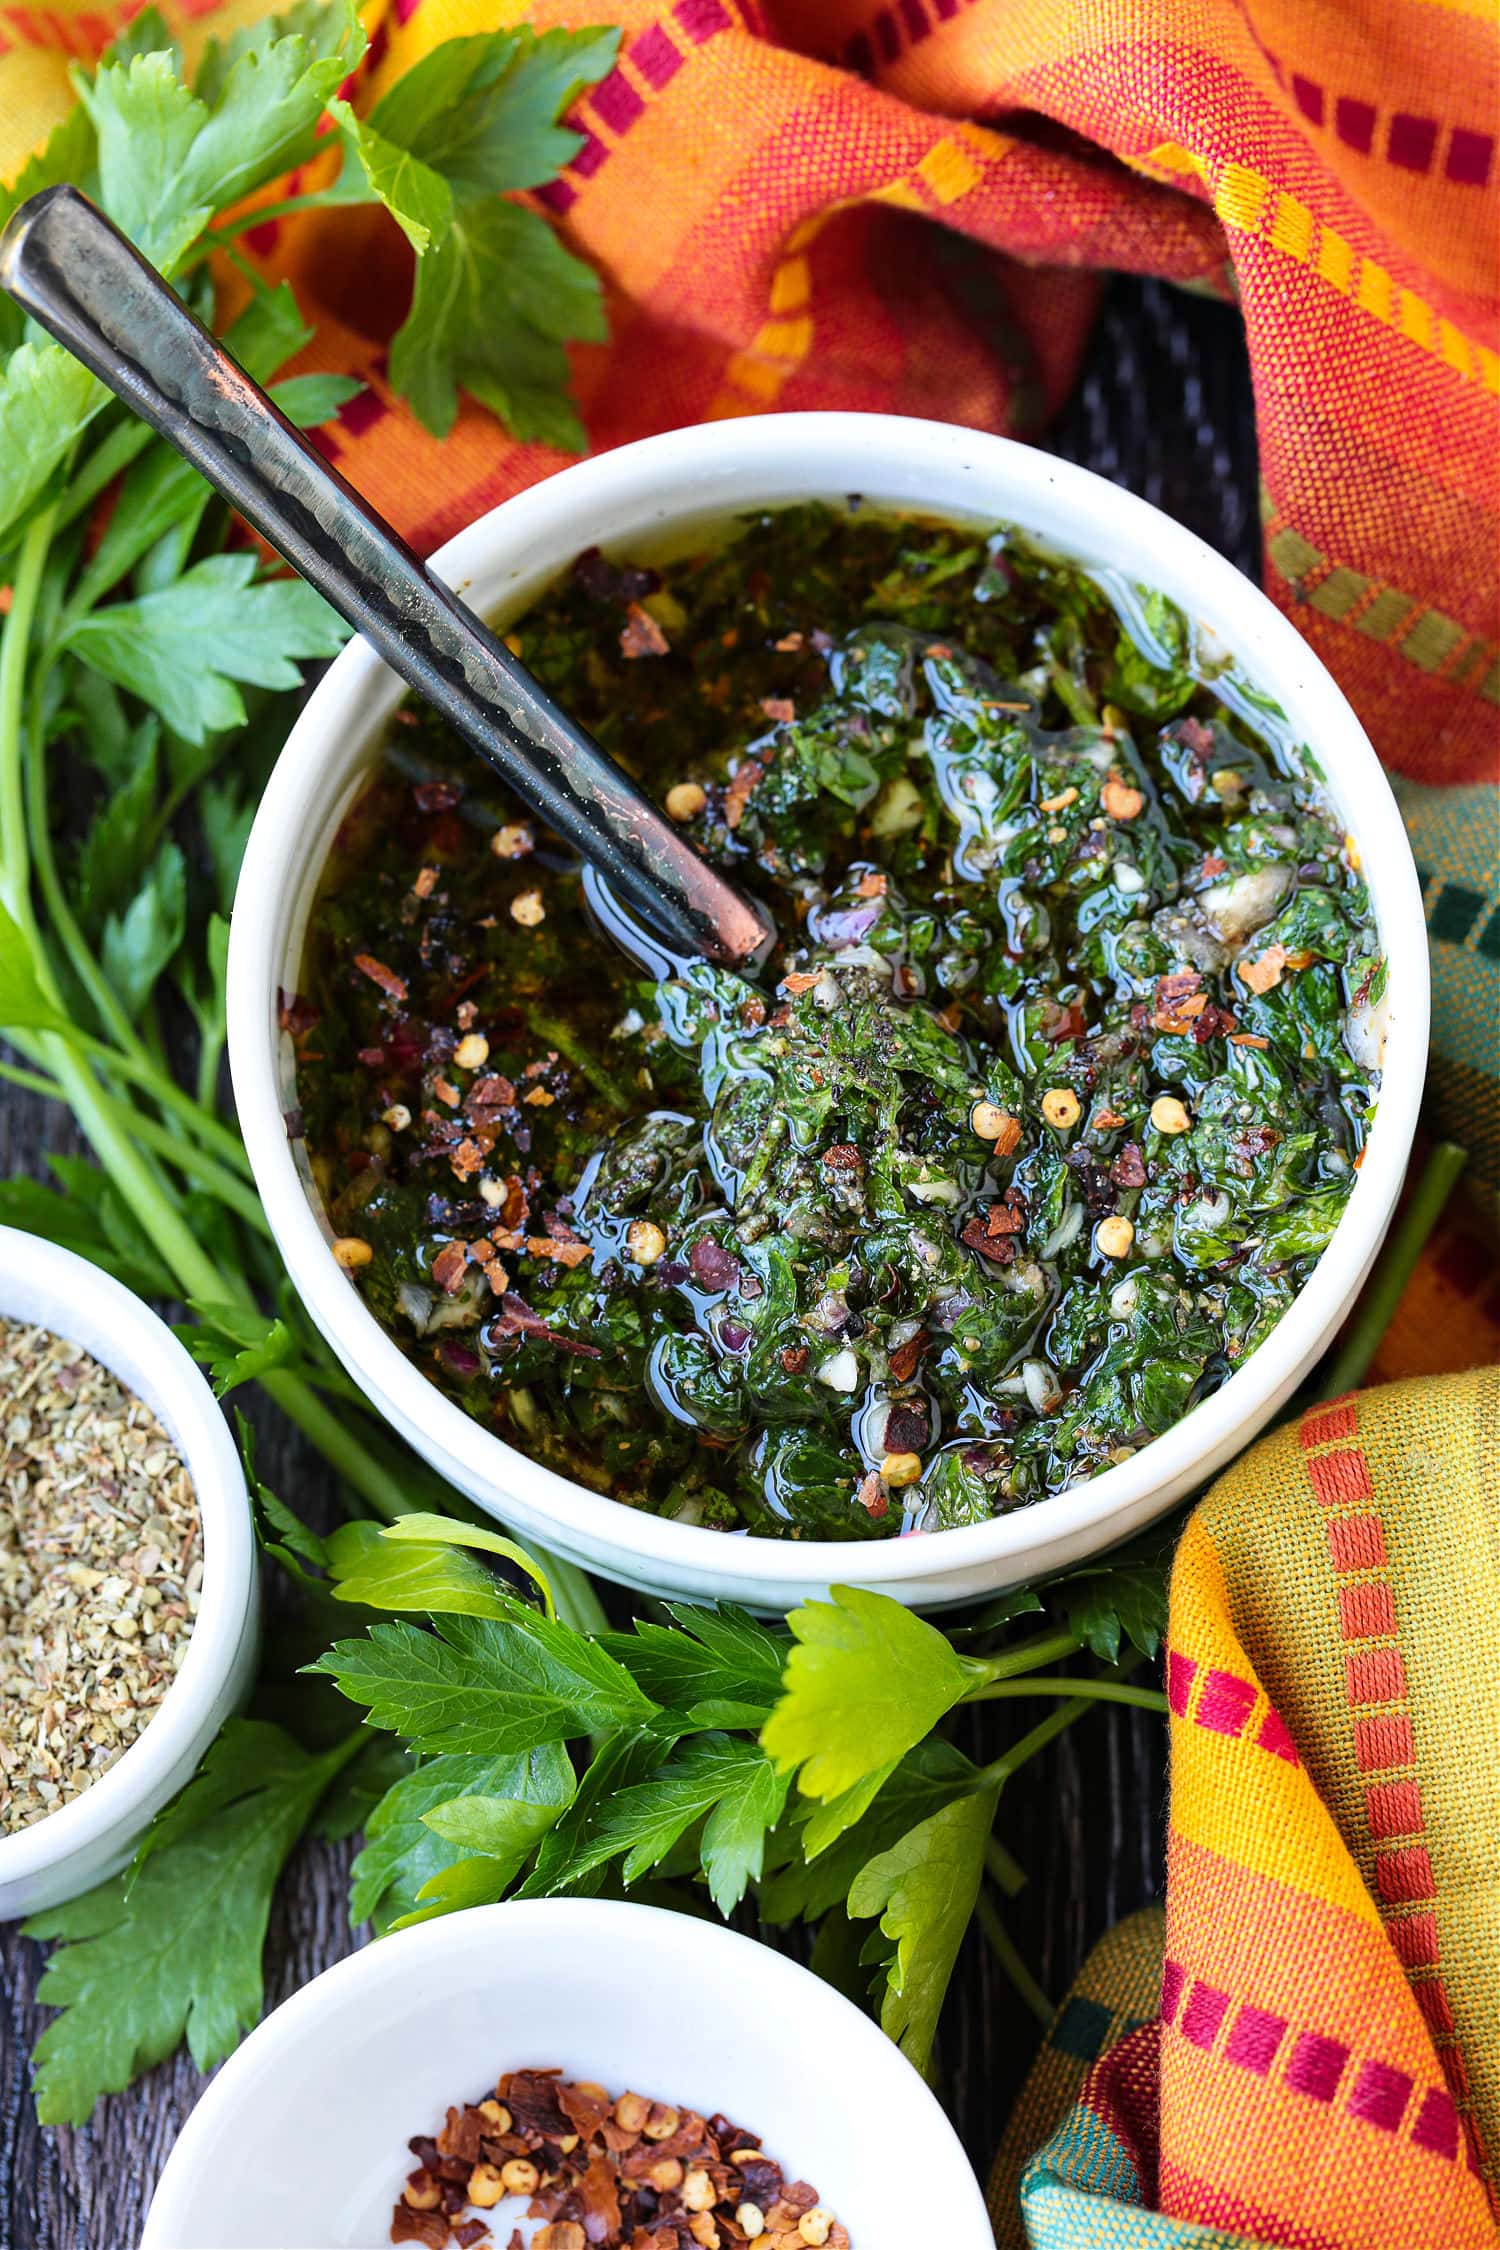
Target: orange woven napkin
1324	2069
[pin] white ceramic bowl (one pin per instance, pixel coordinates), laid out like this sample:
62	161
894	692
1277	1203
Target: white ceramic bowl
642	494
94	1834
302	2136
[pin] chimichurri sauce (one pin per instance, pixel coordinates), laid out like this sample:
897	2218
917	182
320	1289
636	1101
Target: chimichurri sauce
1034	1129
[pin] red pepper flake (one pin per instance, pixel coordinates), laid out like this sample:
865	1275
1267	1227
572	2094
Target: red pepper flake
294	1014
1212	866
438	796
1000	1251
747	777
640	635
1247	1039
904	1359
1212	1022
516	1318
1179	998
794	1359
1129	1167
1194	736
1008	1217
371	1058
391	985
873	1497
1061	1022
446	1092
789	642
843	1157
539	1098
448	1266
1262	972
800	981
778	709
426	882
872	884
565	1253
1107	1120
493	1092
467	1159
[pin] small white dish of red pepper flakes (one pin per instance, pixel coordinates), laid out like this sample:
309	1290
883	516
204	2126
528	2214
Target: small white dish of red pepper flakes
715	2094
601	2172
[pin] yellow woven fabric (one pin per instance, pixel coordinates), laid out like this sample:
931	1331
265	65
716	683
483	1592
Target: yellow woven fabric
1325	2071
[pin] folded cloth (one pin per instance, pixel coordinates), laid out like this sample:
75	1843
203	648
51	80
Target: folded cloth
1307	2051
905	205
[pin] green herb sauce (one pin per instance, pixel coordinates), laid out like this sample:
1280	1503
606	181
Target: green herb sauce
1036	1126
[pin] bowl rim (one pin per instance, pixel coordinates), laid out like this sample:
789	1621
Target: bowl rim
623	1930
684	464
115	1321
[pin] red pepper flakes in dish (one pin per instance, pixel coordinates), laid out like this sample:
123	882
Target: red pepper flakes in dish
603	2174
391	985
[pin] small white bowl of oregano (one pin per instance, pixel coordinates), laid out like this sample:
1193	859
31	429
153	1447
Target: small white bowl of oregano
129	1611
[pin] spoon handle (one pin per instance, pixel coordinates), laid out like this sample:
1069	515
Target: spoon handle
73	271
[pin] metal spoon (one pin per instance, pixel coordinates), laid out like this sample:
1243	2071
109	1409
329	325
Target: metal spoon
72	270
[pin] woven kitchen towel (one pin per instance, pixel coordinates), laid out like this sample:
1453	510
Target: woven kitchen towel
1309	2055
904	204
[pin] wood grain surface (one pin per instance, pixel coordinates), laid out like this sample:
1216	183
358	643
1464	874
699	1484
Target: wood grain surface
1164	408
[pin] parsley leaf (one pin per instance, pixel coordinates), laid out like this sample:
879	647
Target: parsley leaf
366	1567
418	199
729	1781
497	295
46	396
176	1947
473	324
865	1681
1123	1594
23	1004
180	650
237	1344
139	943
483	110
718	1668
484	1685
508	1821
403	1852
412	1564
170	156
808	1884
924	1888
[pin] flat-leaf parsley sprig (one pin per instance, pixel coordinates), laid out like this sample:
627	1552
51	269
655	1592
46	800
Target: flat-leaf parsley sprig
145	658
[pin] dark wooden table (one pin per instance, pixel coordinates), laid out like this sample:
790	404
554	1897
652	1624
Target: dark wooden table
1165	408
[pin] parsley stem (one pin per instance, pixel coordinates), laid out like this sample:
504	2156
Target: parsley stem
1408	1238
1003	1946
114	453
168	1095
44	866
219	237
1093	1691
15	869
1005	1870
1021	1752
381	1487
235	1194
32	1081
1027	1656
